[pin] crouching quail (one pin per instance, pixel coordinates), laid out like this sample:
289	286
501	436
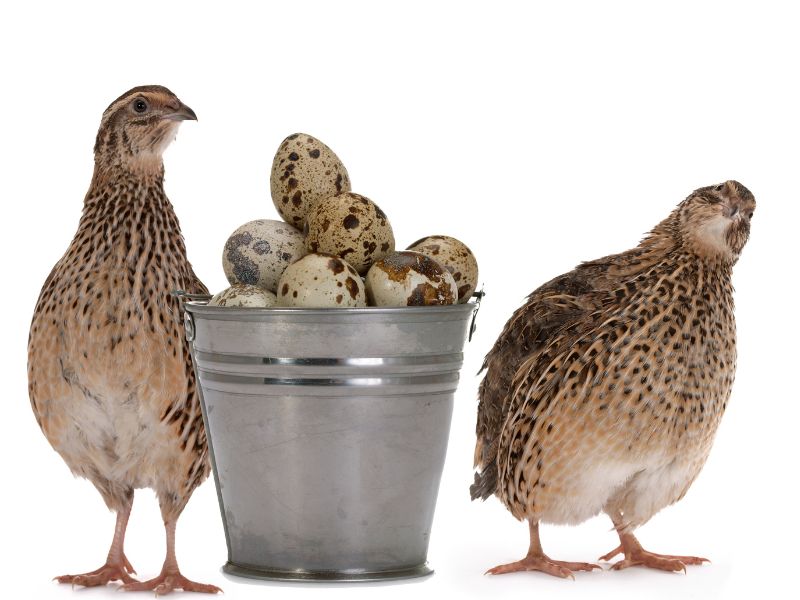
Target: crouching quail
110	376
604	391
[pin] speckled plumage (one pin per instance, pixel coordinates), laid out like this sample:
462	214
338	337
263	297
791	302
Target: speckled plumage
604	391
110	375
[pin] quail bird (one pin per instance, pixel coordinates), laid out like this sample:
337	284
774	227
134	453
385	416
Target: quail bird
605	389
110	375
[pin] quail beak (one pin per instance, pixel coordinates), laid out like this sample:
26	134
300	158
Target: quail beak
183	113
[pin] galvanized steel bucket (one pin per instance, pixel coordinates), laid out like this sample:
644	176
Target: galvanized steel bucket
328	430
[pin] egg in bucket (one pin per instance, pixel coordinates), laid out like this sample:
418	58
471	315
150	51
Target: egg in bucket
327	405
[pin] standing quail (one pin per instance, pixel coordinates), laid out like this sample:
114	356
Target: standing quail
109	372
604	391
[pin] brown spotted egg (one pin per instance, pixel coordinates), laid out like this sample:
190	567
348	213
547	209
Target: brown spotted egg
352	227
321	281
454	256
304	171
244	295
258	252
410	279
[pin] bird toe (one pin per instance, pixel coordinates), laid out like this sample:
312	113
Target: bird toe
102	576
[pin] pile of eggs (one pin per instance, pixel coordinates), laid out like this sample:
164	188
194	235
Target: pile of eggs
334	247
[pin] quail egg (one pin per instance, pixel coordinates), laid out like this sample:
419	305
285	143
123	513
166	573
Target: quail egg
304	171
410	279
351	226
454	256
321	281
258	252
244	295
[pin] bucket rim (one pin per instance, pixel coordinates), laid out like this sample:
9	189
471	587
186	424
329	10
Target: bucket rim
201	307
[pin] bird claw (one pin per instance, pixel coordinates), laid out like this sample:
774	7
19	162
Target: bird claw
612	554
672	565
543	564
169	582
102	576
128	566
662	562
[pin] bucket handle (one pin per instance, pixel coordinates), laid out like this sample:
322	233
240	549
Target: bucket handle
188	320
182	295
473	326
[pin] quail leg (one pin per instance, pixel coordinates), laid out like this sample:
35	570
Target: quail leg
635	555
170	578
537	560
117	567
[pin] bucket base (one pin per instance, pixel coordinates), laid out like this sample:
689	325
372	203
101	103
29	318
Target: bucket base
326	576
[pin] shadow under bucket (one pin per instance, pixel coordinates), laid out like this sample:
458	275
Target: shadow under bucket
328	431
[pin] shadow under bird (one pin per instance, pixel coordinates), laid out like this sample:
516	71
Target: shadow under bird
110	375
604	391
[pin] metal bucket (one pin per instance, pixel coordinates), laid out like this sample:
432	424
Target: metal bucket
328	431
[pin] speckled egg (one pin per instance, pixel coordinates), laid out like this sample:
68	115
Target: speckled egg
259	251
410	279
304	171
454	256
321	281
244	295
352	227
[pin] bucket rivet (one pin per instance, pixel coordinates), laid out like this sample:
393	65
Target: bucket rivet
188	324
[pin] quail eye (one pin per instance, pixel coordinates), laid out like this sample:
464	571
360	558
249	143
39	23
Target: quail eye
718	188
139	105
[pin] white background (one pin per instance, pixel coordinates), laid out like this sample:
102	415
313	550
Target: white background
541	134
